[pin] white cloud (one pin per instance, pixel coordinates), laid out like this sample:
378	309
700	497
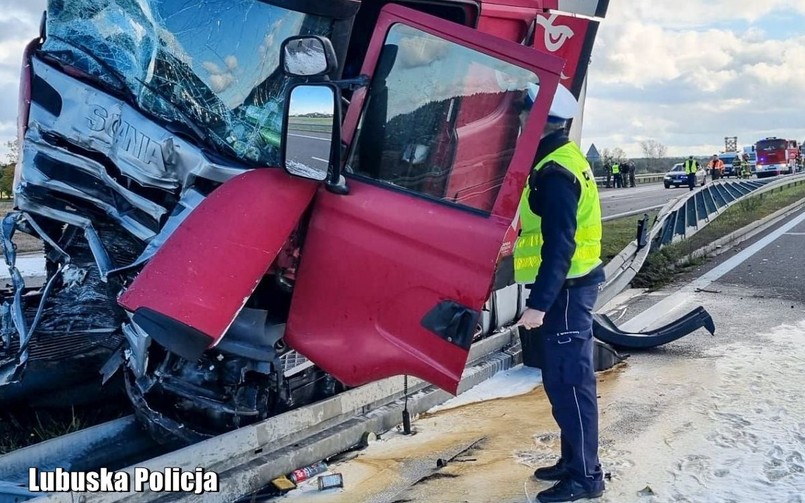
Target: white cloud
220	82
221	79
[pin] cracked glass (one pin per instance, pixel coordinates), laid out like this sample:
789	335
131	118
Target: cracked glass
208	69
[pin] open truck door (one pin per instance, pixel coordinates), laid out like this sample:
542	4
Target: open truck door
394	274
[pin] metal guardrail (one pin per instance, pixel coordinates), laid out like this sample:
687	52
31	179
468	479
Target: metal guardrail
249	457
680	219
640	179
692	213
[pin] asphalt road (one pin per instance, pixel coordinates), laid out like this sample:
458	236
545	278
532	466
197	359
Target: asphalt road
310	149
777	269
617	201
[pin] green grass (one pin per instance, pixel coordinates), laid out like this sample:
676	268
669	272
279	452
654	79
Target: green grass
310	120
660	267
22	427
311	124
617	234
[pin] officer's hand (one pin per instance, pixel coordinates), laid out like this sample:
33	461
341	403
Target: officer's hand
531	318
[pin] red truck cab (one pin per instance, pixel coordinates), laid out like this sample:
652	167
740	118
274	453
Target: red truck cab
228	288
776	156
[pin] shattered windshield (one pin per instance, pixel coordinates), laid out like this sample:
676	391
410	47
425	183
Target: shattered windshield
209	68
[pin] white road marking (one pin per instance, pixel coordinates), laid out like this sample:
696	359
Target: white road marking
319	159
632	212
795	233
310	137
662	310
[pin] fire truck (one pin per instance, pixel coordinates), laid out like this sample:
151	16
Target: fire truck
776	156
247	206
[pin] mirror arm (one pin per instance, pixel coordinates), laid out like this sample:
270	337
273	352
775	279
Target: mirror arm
338	186
354	83
336	182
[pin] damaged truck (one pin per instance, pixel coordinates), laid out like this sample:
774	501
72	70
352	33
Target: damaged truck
248	205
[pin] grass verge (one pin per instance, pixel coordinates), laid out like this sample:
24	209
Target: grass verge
661	266
24	426
617	234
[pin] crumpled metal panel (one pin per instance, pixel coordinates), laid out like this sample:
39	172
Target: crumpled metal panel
93	121
182	63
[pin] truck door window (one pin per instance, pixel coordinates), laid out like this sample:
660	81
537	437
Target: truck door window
441	120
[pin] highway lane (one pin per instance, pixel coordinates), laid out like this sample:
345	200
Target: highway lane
308	148
617	201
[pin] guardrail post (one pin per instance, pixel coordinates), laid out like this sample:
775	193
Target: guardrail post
642	231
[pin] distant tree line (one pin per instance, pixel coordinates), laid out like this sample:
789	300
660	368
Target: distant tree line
7	169
654	158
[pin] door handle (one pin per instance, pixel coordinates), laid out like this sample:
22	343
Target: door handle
452	322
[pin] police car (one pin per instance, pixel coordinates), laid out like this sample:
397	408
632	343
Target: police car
677	177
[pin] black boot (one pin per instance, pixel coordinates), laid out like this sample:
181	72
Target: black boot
568	490
555	472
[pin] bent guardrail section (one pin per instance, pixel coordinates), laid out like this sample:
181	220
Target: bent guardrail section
680	219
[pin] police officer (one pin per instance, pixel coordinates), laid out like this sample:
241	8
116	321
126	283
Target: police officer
558	255
691	167
616	174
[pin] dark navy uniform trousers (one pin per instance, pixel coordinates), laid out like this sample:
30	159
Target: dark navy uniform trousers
565	349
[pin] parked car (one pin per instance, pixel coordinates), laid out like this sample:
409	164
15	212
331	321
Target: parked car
677	176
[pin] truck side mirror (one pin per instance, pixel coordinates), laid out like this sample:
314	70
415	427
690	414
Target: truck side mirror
310	130
307	56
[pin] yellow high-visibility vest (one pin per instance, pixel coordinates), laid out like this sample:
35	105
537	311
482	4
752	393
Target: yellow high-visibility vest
528	249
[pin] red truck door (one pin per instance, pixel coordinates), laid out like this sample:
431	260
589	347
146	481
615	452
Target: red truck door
394	274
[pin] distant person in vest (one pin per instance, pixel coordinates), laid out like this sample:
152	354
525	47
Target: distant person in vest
691	167
716	167
558	255
616	174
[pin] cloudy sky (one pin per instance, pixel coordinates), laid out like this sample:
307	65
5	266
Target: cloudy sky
688	73
685	73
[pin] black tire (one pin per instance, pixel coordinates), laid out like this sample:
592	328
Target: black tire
667	185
